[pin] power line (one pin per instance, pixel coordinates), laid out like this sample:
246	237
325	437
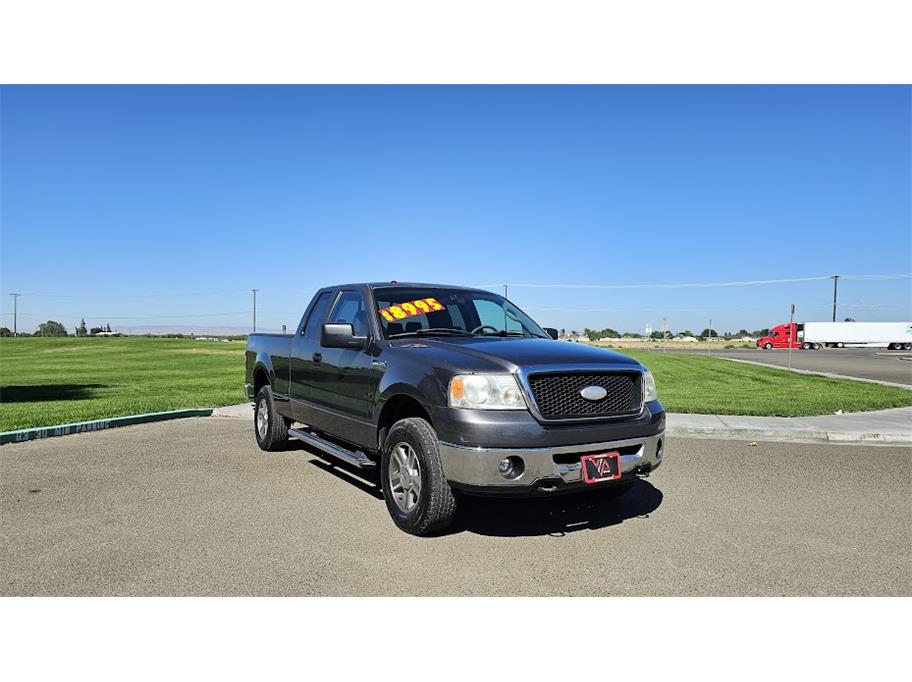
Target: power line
159	295
697	285
131	317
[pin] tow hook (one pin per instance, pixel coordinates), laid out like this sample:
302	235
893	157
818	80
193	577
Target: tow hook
643	471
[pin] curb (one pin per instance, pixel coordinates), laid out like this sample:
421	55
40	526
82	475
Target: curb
97	425
795	436
829	375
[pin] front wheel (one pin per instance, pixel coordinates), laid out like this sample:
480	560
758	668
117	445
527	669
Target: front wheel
767	346
417	494
269	427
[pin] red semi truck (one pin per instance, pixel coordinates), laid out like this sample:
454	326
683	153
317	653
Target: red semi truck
814	335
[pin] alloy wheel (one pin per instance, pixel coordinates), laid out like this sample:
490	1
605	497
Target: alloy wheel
404	476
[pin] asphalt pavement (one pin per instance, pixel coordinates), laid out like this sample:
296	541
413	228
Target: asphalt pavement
864	363
193	507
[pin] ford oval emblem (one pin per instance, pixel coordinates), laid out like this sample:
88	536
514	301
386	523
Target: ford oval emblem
593	393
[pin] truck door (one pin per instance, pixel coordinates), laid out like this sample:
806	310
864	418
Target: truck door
338	381
304	345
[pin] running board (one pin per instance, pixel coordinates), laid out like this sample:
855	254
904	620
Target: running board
355	458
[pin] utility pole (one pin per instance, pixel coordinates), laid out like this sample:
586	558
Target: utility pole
835	287
15	313
709	349
506	288
254	309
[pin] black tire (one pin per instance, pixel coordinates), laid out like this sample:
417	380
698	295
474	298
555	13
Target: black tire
767	346
435	506
806	346
274	435
907	346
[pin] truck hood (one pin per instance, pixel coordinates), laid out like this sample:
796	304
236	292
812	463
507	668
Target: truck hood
513	353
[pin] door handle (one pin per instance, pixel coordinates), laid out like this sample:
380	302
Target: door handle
318	358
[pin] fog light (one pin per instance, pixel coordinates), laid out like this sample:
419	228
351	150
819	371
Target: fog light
511	468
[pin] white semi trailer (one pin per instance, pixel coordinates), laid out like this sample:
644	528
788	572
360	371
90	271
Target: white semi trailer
895	335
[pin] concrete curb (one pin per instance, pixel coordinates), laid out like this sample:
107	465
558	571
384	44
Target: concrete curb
241	411
23	435
829	375
791	436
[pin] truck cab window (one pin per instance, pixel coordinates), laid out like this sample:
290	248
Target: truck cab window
350	308
317	315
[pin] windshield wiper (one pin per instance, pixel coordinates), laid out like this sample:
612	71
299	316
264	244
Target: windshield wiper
432	330
524	335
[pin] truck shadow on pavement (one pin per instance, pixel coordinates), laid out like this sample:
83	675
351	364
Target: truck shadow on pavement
556	516
523	517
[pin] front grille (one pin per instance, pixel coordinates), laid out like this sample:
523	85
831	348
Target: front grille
558	395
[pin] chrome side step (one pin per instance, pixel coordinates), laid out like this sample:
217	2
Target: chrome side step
353	457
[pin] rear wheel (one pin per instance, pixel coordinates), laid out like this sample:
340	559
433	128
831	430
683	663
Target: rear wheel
417	494
269	427
907	346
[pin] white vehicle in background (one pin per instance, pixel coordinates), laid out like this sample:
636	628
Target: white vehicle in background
814	335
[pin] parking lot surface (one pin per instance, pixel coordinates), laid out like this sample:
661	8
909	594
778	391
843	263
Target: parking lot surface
878	364
192	507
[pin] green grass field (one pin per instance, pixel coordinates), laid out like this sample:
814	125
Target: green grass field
47	381
705	385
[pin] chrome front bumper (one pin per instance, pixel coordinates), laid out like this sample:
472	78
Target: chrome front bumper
478	467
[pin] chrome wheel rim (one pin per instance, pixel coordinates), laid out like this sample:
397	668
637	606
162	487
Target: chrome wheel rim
404	476
262	419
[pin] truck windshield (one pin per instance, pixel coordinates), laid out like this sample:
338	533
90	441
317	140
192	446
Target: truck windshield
450	312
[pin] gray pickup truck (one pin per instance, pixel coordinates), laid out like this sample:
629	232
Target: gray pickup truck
452	390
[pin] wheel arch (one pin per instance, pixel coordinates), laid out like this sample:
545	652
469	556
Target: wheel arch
399	406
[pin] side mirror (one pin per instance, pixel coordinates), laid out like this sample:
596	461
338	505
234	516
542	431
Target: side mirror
340	335
552	332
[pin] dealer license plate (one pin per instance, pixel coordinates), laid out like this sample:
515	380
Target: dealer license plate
601	467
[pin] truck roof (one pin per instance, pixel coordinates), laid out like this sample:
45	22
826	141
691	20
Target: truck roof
403	285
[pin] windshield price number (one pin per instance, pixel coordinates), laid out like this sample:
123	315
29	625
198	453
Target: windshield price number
421	306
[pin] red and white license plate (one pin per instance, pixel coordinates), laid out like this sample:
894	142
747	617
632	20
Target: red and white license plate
602	467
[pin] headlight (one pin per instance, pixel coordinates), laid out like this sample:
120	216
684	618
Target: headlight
486	392
649	387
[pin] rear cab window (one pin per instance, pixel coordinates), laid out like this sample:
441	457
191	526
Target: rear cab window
317	315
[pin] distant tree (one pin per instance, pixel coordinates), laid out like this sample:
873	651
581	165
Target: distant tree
563	332
51	328
95	330
760	332
632	335
849	319
108	327
574	333
5	331
706	333
656	335
81	329
687	332
588	333
743	332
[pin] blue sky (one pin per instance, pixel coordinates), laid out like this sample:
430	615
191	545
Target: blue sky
114	192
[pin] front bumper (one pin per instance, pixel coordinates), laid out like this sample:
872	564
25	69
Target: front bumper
545	470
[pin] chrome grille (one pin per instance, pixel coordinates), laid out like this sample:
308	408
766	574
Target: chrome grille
558	395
